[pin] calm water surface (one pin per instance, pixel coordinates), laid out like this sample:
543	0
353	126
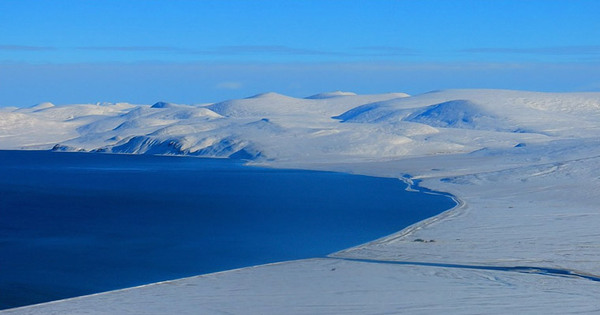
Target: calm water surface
77	223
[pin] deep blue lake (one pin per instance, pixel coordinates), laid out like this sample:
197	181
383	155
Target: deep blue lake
79	223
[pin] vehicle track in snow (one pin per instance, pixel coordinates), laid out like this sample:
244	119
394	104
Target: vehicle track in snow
555	272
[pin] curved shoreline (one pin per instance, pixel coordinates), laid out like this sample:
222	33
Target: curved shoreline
401	210
412	185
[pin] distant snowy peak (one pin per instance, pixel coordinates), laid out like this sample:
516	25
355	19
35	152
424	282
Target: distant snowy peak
461	114
273	104
35	108
260	105
162	105
241	108
270	96
362	114
330	95
43	105
457	114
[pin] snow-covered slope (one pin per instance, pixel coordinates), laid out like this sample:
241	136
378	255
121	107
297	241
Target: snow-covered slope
524	166
336	125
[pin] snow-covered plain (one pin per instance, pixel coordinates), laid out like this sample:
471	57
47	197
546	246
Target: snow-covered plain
525	167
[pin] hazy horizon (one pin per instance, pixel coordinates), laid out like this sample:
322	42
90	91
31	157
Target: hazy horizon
193	52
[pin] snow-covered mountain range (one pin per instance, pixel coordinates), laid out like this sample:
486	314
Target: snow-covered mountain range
322	127
524	166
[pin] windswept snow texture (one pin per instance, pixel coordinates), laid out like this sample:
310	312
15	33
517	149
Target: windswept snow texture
525	167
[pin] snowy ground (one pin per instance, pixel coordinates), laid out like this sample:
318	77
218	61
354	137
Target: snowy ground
524	165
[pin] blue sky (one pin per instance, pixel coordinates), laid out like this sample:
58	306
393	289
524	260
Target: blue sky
203	51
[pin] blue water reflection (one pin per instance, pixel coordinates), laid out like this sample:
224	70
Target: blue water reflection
77	223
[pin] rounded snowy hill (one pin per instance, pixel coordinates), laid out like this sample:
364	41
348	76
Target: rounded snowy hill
494	110
330	95
274	104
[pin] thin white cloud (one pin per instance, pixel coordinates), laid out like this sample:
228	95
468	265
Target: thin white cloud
132	48
386	51
555	50
217	51
25	48
266	49
237	50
